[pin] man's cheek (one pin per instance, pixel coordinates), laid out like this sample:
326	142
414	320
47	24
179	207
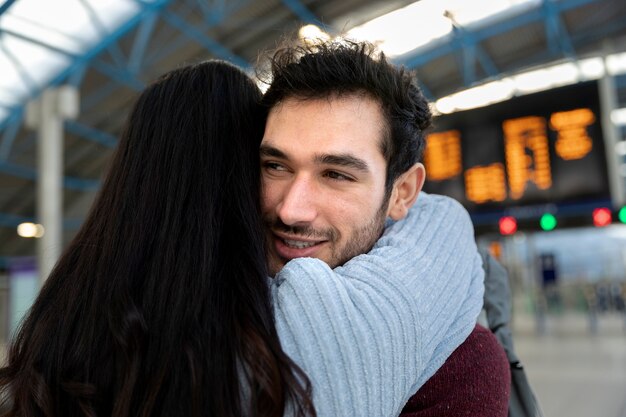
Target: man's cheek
269	196
265	196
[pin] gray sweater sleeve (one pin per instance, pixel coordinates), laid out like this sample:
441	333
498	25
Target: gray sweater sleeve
370	333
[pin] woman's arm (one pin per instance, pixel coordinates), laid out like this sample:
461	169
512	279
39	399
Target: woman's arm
370	333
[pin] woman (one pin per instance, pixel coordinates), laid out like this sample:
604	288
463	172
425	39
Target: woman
160	305
125	326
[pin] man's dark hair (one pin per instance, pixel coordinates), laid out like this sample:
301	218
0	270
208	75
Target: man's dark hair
344	67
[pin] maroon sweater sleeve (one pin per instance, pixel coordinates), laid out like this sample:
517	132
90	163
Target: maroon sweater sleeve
474	381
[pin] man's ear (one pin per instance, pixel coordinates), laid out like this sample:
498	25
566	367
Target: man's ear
405	190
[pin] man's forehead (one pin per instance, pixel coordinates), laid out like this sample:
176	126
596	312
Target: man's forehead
292	112
331	97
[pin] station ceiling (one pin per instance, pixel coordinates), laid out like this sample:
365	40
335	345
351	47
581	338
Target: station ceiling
163	34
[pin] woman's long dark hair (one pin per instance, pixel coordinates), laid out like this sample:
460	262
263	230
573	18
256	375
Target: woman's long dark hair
160	305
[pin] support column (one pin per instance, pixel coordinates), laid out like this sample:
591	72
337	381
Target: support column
47	114
608	103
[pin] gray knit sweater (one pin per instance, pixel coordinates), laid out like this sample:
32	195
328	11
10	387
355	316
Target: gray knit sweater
370	333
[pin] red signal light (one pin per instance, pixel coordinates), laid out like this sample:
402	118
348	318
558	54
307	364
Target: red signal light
602	217
508	225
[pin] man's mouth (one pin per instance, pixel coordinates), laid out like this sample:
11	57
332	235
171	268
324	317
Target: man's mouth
299	244
290	247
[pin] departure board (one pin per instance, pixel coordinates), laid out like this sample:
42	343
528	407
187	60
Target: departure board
543	148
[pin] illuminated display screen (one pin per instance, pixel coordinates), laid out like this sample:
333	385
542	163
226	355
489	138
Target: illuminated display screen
544	148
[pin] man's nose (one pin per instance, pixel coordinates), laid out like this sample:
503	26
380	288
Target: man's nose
297	206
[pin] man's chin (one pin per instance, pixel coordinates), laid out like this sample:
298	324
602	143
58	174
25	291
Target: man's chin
275	264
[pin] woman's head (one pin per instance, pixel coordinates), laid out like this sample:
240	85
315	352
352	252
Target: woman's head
160	304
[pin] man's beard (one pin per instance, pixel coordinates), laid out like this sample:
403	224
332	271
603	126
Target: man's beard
360	241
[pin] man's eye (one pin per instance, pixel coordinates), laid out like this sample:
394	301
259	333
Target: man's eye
274	166
334	175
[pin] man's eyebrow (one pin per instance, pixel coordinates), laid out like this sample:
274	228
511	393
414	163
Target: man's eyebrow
345	160
267	150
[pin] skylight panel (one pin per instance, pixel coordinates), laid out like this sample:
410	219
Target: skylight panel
66	23
42	38
407	28
428	21
545	78
479	13
22	66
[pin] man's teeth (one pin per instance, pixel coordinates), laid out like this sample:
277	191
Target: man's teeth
298	244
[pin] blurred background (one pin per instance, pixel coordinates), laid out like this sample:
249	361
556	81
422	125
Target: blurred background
530	136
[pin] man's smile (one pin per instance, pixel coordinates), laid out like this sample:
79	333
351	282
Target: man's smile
298	244
289	246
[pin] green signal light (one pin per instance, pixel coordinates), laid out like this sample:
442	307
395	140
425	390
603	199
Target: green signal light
622	215
548	222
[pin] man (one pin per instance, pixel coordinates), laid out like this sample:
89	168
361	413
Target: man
341	154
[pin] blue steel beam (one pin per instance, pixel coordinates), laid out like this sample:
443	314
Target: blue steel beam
81	184
466	40
73	183
486	62
27	173
426	55
142	38
595	35
121	75
178	42
39	42
444	46
90	133
306	15
12	220
9	136
556	34
469	64
77	78
472	52
527	18
99	47
620	81
551	29
113	49
465	51
137	60
167	49
18	171
184	10
212	15
5	6
116	53
207	42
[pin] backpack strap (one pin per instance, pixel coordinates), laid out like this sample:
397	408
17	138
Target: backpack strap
497	305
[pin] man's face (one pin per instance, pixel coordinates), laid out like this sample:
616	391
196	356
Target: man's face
323	179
